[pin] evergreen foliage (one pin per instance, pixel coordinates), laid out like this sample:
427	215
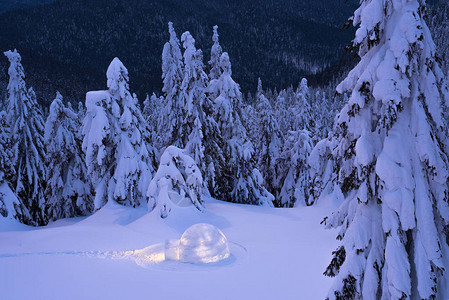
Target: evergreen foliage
77	38
173	106
178	182
215	54
6	153
293	178
68	192
269	142
151	112
9	207
119	158
388	154
26	128
242	182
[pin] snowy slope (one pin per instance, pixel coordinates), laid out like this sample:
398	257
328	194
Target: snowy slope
8	223
275	254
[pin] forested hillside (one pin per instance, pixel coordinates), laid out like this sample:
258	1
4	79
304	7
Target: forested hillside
358	143
68	43
8	5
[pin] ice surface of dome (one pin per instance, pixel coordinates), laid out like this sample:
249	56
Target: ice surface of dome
203	243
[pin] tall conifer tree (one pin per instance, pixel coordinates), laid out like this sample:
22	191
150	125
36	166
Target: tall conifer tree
68	192
215	55
389	157
26	128
172	110
120	159
240	181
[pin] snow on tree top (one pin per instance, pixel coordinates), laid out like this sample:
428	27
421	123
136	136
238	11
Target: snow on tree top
13	56
117	75
215	35
55	109
225	63
15	71
171	30
215	54
187	40
95	97
303	87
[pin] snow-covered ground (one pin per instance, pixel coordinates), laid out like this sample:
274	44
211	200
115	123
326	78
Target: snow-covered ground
275	254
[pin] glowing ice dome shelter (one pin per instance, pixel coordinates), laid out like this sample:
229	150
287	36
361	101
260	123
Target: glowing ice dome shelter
200	243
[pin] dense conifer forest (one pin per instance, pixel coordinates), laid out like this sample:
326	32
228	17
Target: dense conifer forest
172	113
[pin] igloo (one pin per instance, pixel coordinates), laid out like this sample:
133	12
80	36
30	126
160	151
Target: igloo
200	243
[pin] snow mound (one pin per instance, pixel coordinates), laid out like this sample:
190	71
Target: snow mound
200	243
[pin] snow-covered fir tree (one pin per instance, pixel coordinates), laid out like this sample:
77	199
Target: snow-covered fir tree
172	108
151	112
269	142
249	121
215	54
99	130
302	110
240	181
26	128
6	153
10	207
81	111
259	90
192	90
135	156
282	113
120	159
390	159
68	192
293	180
194	146
439	27
323	113
200	133
178	182
321	170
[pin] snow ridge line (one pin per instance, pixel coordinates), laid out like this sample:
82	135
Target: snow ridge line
101	254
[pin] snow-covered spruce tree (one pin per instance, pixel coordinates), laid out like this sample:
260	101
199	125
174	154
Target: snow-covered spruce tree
193	87
99	130
439	27
119	158
26	127
282	113
81	111
215	54
172	108
390	161
269	142
200	134
249	121
151	112
6	153
68	192
213	144
325	110
323	113
241	181
302	110
321	170
10	207
293	179
178	182
259	90
135	156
